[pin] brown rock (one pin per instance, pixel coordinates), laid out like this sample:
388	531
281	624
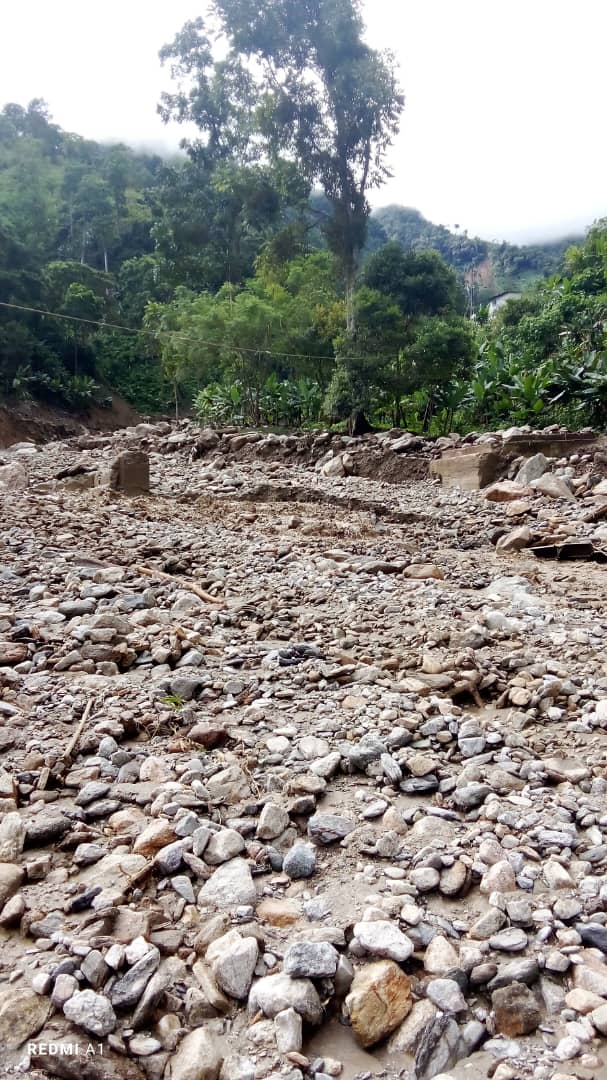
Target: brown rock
278	912
157	835
378	1001
469	468
515	540
208	735
516	1010
423	571
12	652
455	880
22	1014
518	508
506	491
11	877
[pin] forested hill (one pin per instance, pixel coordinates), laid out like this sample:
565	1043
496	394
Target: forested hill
103	234
490	267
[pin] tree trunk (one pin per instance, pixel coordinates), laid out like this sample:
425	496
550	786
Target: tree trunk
428	414
358	423
350	317
105	262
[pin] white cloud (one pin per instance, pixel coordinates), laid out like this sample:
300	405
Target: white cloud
502	130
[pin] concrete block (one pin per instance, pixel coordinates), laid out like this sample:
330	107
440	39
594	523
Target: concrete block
130	472
470	468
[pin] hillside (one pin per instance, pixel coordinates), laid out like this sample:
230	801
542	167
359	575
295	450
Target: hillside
487	267
208	266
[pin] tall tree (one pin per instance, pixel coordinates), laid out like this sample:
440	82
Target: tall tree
298	79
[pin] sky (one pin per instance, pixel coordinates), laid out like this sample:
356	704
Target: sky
503	127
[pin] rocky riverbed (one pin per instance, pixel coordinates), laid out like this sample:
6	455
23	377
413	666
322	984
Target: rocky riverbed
302	772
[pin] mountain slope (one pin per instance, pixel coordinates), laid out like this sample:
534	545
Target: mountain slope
487	267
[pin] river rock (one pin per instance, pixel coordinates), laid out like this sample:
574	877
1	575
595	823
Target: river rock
22	1014
92	1012
230	886
379	1000
274	993
516	1010
233	959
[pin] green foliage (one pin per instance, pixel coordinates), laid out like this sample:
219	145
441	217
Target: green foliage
545	356
233	271
281	403
315	93
488	267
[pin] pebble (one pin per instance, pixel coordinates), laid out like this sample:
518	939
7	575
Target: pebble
299	731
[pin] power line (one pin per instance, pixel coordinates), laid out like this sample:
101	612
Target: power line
176	333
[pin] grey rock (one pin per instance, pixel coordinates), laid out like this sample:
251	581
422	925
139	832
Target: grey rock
273	821
288	1027
65	987
532	469
438	1048
127	990
274	993
329	828
511	940
95	969
300	861
471	795
383	938
233	959
230	886
593	934
199	1057
223	846
310	960
446	995
525	970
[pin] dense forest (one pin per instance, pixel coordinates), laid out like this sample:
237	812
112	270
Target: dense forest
247	279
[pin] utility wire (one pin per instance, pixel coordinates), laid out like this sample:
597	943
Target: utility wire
174	333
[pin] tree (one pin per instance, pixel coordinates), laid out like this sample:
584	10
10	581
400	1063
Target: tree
314	91
84	310
420	282
213	222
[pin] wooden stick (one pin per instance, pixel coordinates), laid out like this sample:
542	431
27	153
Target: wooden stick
66	757
72	744
148	572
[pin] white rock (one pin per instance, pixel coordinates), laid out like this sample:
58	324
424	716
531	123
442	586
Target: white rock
199	1057
233	959
92	1012
440	956
288	1027
383	939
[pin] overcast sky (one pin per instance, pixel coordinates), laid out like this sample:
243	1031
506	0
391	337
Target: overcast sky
503	129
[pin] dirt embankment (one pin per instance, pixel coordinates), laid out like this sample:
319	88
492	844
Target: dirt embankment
29	422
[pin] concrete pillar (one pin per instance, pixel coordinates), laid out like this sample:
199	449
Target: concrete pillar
130	472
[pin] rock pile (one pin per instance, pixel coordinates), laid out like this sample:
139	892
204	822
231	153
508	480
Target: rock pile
295	793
